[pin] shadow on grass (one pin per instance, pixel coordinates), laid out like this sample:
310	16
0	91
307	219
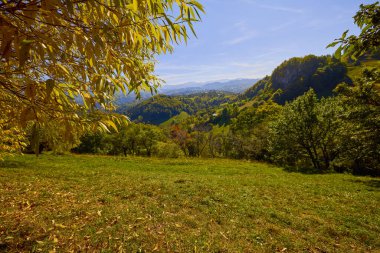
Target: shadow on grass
3	247
12	164
372	183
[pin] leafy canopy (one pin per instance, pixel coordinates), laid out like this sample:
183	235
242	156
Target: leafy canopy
368	20
61	60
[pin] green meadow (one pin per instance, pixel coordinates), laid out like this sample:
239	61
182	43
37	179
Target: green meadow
114	204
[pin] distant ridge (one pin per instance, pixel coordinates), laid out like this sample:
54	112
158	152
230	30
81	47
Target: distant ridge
235	86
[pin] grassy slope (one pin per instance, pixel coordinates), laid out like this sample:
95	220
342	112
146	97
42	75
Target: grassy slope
356	71
178	118
92	203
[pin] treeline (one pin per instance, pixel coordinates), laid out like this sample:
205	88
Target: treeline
325	128
339	133
299	117
137	139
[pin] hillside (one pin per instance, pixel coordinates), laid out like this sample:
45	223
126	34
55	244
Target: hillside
293	77
290	79
156	110
297	75
161	108
175	120
356	70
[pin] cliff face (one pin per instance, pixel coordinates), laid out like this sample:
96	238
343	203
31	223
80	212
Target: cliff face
296	70
297	75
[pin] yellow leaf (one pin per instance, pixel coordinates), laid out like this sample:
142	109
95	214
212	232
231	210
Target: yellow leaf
135	5
63	68
60	225
112	124
91	62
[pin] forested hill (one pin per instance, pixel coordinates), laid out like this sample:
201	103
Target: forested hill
294	77
160	108
288	81
297	75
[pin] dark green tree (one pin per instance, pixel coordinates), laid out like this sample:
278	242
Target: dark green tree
362	117
362	98
307	132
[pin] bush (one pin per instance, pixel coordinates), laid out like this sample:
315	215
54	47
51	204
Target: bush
167	150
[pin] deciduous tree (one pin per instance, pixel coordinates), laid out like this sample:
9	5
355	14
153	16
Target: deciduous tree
308	130
62	60
368	20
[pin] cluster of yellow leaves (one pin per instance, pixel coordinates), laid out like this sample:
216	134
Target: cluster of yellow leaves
63	60
12	139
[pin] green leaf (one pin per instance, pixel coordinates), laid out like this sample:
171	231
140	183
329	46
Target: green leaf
344	35
338	53
333	44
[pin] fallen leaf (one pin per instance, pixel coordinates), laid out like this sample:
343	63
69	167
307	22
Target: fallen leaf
60	225
224	235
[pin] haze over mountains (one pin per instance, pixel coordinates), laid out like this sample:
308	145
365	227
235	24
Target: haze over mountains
233	86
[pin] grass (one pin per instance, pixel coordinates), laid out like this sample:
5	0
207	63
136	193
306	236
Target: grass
355	72
109	204
178	118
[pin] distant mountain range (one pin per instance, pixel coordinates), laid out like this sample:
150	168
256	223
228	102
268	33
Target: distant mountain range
235	86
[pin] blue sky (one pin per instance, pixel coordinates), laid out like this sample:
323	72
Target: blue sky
249	38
